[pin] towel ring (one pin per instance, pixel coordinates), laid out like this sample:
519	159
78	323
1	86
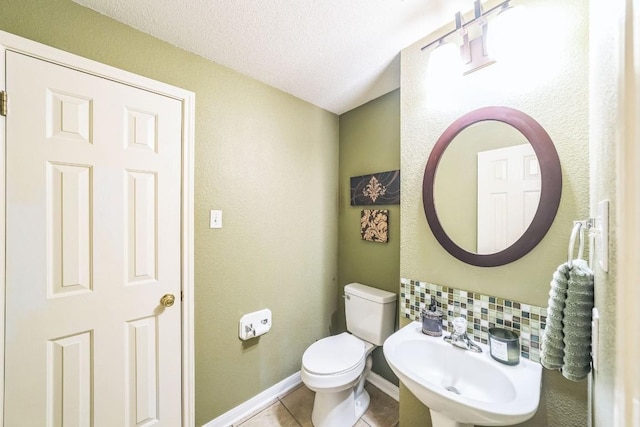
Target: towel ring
572	241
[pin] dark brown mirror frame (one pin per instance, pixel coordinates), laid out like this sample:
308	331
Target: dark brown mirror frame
551	185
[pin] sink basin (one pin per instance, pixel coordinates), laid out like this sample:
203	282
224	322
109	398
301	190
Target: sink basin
460	386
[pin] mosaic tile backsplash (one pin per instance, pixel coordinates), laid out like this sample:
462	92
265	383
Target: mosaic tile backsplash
481	311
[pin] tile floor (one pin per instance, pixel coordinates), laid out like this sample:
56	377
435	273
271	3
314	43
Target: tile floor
294	410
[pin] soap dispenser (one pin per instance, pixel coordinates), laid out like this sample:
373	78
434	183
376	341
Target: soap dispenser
432	320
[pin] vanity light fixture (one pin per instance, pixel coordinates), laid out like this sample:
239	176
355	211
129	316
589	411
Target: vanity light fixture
444	60
473	51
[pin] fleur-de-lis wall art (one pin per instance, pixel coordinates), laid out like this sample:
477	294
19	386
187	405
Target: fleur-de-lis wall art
381	188
374	189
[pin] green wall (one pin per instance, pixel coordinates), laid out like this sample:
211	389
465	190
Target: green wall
270	162
369	143
545	75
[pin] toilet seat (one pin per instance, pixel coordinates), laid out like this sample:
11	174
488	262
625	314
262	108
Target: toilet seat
334	355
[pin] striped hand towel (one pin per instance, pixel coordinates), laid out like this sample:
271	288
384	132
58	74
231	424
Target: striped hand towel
552	346
577	322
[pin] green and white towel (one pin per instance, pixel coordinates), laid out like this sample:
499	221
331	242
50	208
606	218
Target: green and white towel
566	343
552	350
577	322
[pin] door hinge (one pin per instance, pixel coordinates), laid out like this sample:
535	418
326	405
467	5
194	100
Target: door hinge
181	296
3	103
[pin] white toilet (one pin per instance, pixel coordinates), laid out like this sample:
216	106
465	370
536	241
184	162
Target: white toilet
336	367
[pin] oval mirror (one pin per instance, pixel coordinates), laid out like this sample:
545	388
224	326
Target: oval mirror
492	186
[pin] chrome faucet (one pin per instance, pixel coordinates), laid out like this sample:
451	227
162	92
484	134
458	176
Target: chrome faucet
459	336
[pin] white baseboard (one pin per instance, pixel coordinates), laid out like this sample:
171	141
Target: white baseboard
256	403
387	387
270	395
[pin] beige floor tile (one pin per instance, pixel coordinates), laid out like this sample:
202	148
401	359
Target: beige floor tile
383	410
295	408
300	403
275	415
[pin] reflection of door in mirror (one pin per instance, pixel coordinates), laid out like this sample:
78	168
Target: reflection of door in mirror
508	195
456	184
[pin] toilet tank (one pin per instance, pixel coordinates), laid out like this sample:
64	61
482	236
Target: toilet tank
370	312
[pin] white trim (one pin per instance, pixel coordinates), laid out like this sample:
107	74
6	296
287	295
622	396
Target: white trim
188	259
627	377
56	56
18	44
261	401
256	403
3	150
385	386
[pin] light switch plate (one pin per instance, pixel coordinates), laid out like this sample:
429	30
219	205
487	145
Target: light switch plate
602	234
595	337
215	219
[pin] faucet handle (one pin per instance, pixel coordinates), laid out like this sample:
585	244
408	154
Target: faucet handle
460	325
459	336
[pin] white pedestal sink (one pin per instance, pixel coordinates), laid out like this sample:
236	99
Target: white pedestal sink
460	387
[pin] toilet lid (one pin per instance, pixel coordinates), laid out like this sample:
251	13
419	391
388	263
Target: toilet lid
335	354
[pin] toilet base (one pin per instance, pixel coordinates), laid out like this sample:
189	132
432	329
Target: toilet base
362	404
341	409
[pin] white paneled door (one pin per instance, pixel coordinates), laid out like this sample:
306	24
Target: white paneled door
93	243
509	184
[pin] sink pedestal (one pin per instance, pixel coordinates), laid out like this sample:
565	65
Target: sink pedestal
439	420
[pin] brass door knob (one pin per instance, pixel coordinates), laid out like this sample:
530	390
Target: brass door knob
168	300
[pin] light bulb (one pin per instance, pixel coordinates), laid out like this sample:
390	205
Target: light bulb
443	61
506	32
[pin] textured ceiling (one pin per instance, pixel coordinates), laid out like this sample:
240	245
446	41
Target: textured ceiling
336	54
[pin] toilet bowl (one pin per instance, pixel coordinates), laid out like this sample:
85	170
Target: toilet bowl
336	367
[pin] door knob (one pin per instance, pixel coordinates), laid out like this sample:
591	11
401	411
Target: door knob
167	300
